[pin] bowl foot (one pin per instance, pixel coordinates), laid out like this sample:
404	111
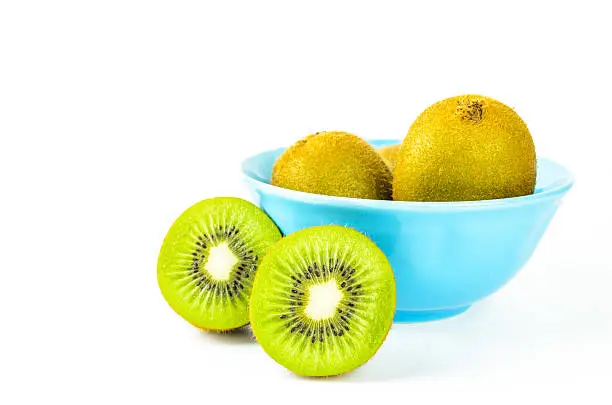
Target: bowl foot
403	316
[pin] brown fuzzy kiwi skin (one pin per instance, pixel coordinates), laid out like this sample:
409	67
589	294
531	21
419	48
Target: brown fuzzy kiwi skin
331	375
389	154
336	164
465	148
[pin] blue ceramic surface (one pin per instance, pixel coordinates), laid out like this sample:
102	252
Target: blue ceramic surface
445	255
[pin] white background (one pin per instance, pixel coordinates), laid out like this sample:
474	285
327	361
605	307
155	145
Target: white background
115	116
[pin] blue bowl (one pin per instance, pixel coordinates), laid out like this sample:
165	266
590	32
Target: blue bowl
445	255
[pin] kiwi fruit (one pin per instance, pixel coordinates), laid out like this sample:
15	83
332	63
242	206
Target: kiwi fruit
465	148
336	164
323	301
208	261
389	154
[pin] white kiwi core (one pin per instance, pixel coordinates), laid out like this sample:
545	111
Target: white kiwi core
323	299
221	261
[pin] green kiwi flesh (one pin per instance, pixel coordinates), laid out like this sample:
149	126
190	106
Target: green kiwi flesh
323	301
208	260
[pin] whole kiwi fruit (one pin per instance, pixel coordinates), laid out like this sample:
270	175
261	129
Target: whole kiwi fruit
465	148
208	261
323	301
336	164
389	154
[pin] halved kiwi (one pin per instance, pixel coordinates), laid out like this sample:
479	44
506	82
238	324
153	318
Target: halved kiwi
208	261
323	301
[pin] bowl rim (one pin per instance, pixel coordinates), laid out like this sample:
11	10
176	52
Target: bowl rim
557	191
